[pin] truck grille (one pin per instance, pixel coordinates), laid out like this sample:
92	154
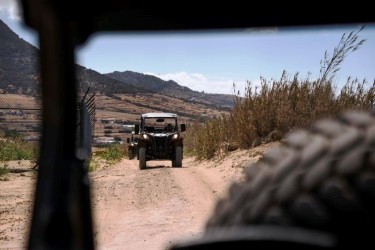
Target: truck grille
160	146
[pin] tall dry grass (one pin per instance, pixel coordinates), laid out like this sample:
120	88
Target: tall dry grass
268	111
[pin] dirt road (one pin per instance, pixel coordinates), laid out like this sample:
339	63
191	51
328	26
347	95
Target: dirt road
155	207
132	208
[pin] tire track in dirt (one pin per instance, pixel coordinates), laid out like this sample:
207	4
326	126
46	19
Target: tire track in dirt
151	208
132	208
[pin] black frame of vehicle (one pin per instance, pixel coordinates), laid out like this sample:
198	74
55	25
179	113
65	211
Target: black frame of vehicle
132	145
160	142
62	204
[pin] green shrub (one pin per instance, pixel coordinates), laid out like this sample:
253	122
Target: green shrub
112	154
3	170
93	165
11	150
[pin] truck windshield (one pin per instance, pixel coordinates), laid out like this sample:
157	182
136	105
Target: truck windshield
152	125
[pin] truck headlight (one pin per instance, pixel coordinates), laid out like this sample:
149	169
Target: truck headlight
145	136
175	136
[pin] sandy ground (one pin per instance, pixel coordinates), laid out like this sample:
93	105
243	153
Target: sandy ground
135	209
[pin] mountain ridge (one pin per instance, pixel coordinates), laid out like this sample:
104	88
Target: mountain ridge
19	74
170	88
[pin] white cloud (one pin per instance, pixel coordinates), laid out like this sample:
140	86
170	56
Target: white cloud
12	8
200	82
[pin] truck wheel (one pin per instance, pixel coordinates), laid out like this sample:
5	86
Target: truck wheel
142	158
321	180
130	154
177	162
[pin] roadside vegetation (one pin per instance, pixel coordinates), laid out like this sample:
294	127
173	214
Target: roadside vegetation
3	171
13	148
93	164
16	149
108	156
267	112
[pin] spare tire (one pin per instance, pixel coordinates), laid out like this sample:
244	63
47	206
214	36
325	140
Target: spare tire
321	180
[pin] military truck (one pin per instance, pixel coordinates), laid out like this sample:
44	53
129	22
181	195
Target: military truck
133	146
160	138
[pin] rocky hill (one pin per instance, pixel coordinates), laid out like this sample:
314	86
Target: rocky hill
19	69
19	74
18	63
105	85
171	88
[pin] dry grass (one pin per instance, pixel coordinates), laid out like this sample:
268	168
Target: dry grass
275	108
18	101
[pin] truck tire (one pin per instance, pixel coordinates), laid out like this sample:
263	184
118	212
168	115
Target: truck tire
130	154
177	162
142	158
322	180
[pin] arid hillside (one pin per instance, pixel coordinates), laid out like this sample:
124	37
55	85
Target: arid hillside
21	113
19	74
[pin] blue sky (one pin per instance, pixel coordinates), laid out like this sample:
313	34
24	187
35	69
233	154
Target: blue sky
212	62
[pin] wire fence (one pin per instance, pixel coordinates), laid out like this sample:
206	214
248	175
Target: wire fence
20	128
